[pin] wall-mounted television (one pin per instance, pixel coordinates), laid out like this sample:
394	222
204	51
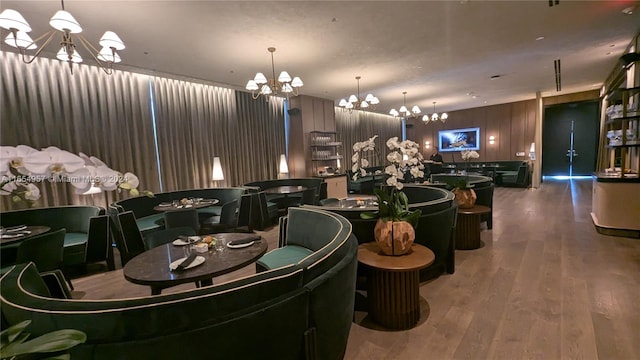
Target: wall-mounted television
448	138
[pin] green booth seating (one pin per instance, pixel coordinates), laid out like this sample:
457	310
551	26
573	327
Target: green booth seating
150	220
503	173
75	219
435	226
300	310
365	184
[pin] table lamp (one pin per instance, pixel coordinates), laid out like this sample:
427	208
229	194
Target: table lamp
283	172
217	174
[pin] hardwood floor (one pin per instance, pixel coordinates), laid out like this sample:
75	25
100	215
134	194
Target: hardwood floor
545	285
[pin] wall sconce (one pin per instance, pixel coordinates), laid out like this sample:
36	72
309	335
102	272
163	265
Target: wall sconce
427	145
532	151
217	174
338	161
283	172
492	140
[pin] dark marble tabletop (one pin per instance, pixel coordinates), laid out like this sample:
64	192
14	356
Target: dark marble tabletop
152	266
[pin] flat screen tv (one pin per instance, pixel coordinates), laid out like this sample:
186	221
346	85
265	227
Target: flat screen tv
448	138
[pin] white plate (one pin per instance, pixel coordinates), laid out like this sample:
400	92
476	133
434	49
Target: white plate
197	261
240	246
164	204
15	228
13	236
180	242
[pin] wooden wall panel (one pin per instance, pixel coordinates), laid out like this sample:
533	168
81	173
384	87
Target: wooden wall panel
518	125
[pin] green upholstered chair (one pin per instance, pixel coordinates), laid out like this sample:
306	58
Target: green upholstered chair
46	252
99	242
226	222
436	231
161	237
131	242
182	218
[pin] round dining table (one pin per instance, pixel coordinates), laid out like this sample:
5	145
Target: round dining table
285	190
196	205
152	267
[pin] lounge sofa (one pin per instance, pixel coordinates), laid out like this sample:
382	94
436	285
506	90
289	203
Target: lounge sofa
150	220
435	226
75	219
300	310
483	187
504	173
365	184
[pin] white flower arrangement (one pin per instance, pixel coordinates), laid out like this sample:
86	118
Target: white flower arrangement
404	156
469	154
21	167
357	160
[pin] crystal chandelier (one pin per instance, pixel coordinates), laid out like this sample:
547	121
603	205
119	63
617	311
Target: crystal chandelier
261	86
435	116
65	23
403	112
355	102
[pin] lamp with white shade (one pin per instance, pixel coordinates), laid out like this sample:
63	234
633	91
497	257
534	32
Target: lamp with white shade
217	174
283	171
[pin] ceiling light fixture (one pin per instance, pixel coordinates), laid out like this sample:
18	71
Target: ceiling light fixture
261	86
65	23
435	116
355	102
403	112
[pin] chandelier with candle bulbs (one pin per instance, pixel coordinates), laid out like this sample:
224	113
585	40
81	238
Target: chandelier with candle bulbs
355	102
435	117
260	85
64	24
404	112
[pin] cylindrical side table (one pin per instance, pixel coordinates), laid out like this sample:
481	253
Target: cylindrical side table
393	283
468	227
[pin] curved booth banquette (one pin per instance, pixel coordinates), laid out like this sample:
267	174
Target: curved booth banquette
300	310
483	187
435	226
75	219
150	220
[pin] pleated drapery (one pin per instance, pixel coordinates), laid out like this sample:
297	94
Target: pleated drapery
357	126
108	117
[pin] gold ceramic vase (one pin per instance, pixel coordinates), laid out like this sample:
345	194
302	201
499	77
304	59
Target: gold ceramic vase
394	237
465	198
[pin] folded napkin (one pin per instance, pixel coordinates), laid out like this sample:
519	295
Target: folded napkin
14	228
244	241
183	265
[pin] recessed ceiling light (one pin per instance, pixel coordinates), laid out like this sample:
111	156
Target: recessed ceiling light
609	53
474	96
628	10
540	38
612	45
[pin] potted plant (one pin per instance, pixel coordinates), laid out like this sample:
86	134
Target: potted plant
395	229
465	196
53	345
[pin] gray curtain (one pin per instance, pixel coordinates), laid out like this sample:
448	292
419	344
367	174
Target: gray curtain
358	126
43	105
197	122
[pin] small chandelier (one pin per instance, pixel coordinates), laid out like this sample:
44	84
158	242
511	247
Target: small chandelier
65	23
266	87
404	112
435	116
355	102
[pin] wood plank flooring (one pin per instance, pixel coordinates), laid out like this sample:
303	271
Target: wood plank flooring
545	285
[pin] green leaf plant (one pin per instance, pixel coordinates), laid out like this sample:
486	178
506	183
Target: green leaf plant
54	345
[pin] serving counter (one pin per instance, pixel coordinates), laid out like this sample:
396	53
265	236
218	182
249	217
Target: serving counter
616	205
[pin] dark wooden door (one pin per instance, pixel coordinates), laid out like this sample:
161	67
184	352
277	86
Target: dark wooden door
570	139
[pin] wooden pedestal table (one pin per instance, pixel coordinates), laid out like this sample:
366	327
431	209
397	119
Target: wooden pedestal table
468	227
393	290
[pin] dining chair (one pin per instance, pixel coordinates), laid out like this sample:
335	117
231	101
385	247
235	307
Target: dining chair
131	242
246	217
161	237
182	218
46	252
308	197
330	202
99	242
227	220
